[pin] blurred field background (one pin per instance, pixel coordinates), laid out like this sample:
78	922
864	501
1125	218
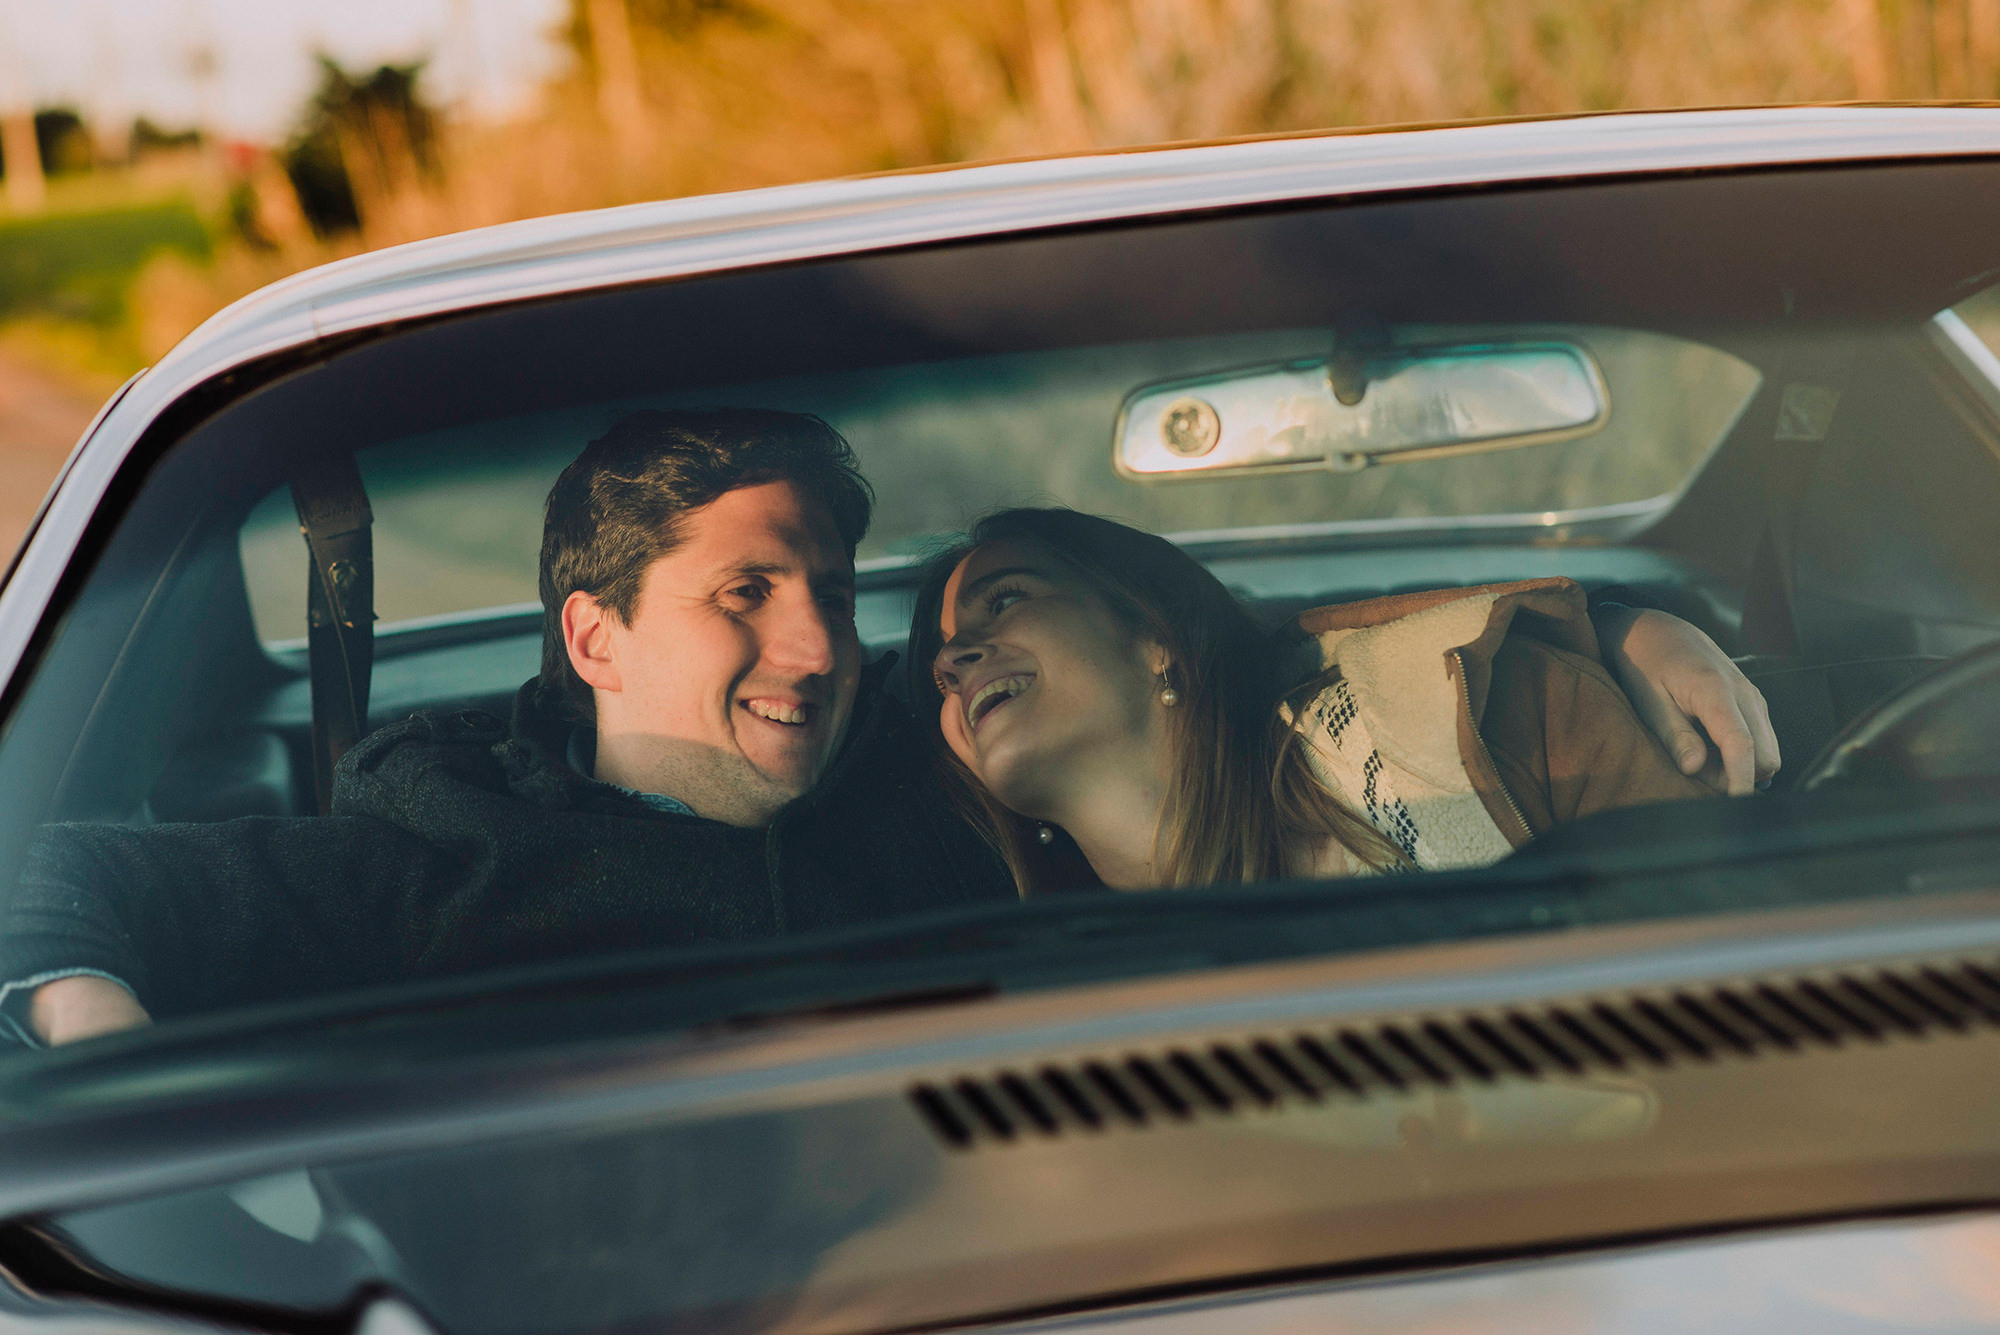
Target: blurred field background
119	233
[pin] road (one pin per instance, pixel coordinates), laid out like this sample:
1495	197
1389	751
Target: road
41	417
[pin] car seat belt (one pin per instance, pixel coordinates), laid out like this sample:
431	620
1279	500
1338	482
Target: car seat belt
1808	401
1770	627
340	610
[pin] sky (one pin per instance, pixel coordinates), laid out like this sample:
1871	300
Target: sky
115	59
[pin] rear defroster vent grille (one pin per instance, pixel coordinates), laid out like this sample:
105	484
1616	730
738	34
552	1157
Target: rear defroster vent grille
1653	1030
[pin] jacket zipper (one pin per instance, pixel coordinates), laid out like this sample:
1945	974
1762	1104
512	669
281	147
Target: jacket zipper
1465	699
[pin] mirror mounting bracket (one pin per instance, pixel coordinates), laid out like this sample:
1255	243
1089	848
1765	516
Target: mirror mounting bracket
1357	341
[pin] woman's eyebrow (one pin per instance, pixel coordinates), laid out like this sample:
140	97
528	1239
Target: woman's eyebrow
971	591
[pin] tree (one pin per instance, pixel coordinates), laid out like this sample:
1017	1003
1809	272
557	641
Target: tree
63	140
21	160
364	140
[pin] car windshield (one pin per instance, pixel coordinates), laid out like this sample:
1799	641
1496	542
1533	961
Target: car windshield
1761	403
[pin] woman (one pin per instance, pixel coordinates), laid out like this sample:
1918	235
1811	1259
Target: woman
1112	715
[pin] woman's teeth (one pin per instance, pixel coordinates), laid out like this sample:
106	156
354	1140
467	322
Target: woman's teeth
994	694
776	712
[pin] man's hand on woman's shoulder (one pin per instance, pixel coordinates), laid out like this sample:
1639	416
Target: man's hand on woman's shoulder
1676	678
84	1006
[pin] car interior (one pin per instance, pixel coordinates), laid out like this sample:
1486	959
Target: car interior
1800	454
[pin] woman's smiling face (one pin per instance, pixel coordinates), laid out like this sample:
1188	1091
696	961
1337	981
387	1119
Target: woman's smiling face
1043	685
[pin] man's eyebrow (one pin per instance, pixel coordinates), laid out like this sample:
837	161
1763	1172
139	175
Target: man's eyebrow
833	579
840	579
970	591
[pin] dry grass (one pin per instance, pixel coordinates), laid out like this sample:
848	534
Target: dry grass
675	97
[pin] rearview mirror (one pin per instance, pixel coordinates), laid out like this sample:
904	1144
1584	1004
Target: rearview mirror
1346	414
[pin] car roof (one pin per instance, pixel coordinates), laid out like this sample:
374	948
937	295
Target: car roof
604	248
608	247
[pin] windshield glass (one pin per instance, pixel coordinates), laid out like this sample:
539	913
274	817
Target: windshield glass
1338	541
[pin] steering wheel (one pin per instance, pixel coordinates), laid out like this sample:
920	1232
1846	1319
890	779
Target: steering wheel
1944	725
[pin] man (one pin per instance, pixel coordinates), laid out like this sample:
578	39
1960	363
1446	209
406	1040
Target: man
656	785
703	757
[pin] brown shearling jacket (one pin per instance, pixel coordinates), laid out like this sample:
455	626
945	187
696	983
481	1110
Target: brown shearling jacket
1463	722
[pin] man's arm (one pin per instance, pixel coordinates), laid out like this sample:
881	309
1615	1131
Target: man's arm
1567	741
200	917
1682	685
83	1006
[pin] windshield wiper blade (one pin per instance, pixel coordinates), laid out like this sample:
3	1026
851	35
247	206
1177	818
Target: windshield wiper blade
869	1003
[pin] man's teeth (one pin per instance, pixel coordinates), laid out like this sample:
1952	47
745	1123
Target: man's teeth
994	693
776	712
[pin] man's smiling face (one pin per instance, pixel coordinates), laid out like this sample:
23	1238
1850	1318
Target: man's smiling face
732	684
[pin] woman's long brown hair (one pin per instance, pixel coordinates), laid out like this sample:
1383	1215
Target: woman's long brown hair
1241	799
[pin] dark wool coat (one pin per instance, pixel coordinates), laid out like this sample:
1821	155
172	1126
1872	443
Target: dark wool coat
459	843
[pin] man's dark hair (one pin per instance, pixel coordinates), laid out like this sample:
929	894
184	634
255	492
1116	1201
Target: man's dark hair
618	507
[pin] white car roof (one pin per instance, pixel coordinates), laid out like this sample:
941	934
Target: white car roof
605	247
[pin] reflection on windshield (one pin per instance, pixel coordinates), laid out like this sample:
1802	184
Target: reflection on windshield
458	513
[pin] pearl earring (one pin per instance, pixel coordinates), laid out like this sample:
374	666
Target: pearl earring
1044	835
1168	695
